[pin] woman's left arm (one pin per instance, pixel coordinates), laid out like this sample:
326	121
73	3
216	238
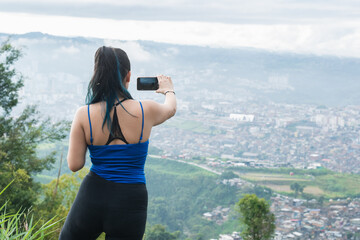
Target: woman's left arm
77	142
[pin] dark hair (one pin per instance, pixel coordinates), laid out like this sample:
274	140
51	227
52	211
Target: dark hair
107	83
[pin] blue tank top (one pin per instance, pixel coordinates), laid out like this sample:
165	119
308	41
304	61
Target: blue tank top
122	163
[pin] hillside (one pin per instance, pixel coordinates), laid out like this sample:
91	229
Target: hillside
179	195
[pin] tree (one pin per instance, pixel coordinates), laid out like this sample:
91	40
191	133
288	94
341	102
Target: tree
296	187
20	136
158	232
262	192
10	79
301	189
256	217
228	175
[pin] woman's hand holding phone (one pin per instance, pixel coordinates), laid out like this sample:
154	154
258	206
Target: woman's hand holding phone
165	84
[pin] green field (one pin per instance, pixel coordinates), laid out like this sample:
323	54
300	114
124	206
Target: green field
317	182
175	168
275	177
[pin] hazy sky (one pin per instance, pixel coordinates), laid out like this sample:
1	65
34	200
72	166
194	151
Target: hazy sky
330	27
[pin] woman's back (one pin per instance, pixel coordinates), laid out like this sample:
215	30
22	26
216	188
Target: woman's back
119	162
129	121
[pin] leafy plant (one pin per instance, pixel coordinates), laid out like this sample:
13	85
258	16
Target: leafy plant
20	136
258	220
21	225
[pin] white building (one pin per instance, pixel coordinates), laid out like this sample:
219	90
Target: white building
242	117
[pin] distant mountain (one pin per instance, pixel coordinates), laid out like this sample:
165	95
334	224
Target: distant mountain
57	64
40	35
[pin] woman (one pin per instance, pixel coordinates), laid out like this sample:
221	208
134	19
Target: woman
116	130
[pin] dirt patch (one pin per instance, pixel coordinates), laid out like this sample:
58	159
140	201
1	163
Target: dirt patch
286	188
279	188
314	190
277	177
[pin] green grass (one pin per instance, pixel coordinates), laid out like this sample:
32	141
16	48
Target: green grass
42	178
175	168
320	182
46	146
275	177
52	146
339	185
21	225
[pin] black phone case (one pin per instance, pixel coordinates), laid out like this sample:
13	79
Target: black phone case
147	83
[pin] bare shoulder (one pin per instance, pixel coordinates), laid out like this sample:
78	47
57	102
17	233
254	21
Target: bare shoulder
134	107
80	115
150	104
158	113
81	111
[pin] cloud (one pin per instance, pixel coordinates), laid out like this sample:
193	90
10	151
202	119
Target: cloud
171	51
24	42
340	38
158	3
229	11
134	50
68	49
27	42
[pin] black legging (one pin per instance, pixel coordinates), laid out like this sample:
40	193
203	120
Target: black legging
118	209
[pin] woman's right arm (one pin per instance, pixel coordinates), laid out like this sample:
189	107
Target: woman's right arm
159	113
77	141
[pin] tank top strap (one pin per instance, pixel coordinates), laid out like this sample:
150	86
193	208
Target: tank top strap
120	102
91	138
142	123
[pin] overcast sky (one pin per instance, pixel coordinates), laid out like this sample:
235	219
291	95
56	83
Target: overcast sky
330	27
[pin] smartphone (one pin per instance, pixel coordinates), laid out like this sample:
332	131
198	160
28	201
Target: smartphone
147	83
